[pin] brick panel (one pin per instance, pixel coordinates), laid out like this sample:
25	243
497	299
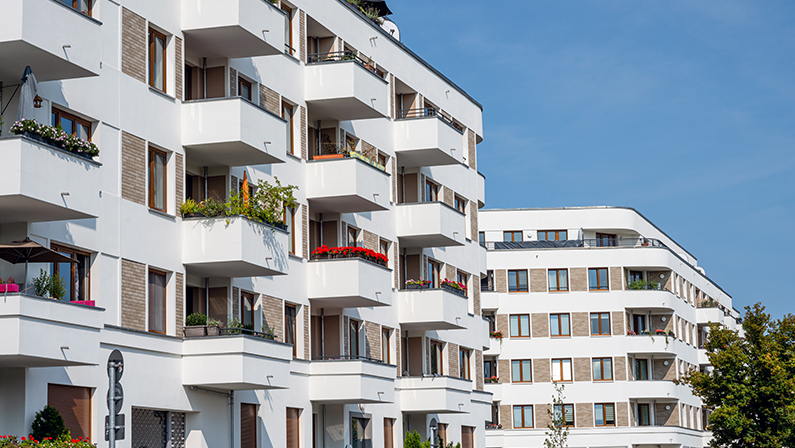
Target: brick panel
305	232
620	366
479	369
476	295
448	197
304	138
618	323
232	82
133	168
179	66
370	240
472	153
582	369
428	355
658	324
393	162
133	295
504	370
273	316
372	336
346	325
540	325
667	417
501	280
236	304
369	150
502	325
622	414
616	282
538	280
578	279
506	416
580	325
307	336
398	358
541	413
473	219
270	100
583	415
180	302
302	35
450	272
396	264
663	372
452	350
542	371
392	96
179	169
133	45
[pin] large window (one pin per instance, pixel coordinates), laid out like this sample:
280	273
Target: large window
75	276
643	414
521	371
464	356
600	324
460	204
289	220
523	416
512	235
559	325
564	413
602	369
434	269
639	322
597	279
641	369
71	124
288	29
462	278
552	235
157	60
157	179
290	312
520	325
606	240
287	114
517	281
157	301
437	358
604	414
561	370
353	236
360	433
489	368
558	280
431	192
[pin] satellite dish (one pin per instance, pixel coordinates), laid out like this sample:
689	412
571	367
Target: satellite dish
391	28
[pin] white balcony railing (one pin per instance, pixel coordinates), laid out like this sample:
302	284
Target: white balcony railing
348	283
430	224
431	309
344	381
346	185
344	89
434	394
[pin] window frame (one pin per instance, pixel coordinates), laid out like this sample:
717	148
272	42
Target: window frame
610	238
434	273
290	123
512	235
562	362
386	355
556	233
565	408
460	204
76	6
558	272
599	286
151	154
519	325
289	27
560	325
153	34
464	361
56	114
604	414
85	281
245	295
523	407
150	299
641	421
244	82
516	272
599	319
482	238
437	351
431	190
289	220
638	363
602	371
352	234
521	379
294	319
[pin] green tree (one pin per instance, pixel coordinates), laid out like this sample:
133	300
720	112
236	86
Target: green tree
751	389
48	423
558	432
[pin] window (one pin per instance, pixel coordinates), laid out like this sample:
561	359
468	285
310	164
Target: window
512	235
602	369
433	273
482	238
243	88
353	236
635	276
431	192
71	124
74	405
489	369
157	179
564	413
462	278
157	429
290	312
157	60
604	414
600	324
293	428
384	248
82	6
517	281
558	280
464	356
247	309
643	414
157	302
287	114
288	29
353	338
487	282
605	240
523	416
641	369
75	276
385	346
389	433
561	370
289	220
521	371
248	425
559	325
360	432
552	235
460	204
437	358
640	323
520	325
597	279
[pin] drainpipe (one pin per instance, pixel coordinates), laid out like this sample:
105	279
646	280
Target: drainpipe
207	295
205	182
321	229
324	427
405	270
403	183
1	103
322	336
204	78
319	140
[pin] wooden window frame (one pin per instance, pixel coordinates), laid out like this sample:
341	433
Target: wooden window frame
555	233
637	369
431	188
59	114
151	171
354	335
599	286
561	363
295	327
460	204
604	414
599	319
524	418
291	226
560	326
76	6
149	300
512	234
464	361
244	82
610	238
602	371
243	296
85	282
434	273
557	272
641	422
290	124
386	355
352	233
519	325
289	12
521	371
437	348
153	33
565	407
516	273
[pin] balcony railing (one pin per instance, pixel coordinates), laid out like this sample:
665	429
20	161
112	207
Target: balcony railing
449	288
211	331
341	56
424	112
347	358
338	151
586	243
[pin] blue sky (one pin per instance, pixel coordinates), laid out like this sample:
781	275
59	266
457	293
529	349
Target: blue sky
683	110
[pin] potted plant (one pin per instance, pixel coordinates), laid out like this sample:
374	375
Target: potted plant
495	334
2	285
456	287
492	379
11	285
630	332
189	209
198	325
418	284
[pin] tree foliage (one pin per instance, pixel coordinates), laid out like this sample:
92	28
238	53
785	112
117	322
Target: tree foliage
751	389
48	423
558	432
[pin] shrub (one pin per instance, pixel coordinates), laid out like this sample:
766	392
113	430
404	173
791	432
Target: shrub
41	284
57	287
196	319
49	423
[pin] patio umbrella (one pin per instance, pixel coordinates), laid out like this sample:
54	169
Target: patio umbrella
378	5
28	91
28	251
245	188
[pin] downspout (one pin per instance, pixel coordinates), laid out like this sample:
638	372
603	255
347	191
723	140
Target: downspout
205	182
322	336
204	78
403	183
321	229
324	427
207	295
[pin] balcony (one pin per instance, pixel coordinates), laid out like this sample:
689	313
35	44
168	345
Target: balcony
233	29
346	185
586	243
661	390
236	362
434	395
38	332
495	389
710	314
424	137
341	86
430	224
653	344
42	183
431	309
232	132
656	301
233	247
348	283
351	381
56	41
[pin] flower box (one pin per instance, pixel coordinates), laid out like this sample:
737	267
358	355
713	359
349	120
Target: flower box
418	285
327	253
11	287
454	290
84	302
198	331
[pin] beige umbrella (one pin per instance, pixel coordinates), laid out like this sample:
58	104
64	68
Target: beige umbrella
29	251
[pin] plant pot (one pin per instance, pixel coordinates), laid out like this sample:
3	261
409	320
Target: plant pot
2	287
328	156
195	331
192	215
421	286
85	302
12	287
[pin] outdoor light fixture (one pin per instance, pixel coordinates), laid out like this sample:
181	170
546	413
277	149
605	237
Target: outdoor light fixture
65	46
37	102
64	193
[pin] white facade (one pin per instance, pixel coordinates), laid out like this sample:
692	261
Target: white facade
579	295
240	90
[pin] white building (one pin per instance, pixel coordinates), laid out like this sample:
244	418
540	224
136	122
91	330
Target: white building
603	301
183	100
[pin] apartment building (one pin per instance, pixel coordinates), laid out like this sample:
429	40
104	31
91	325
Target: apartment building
203	100
602	301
